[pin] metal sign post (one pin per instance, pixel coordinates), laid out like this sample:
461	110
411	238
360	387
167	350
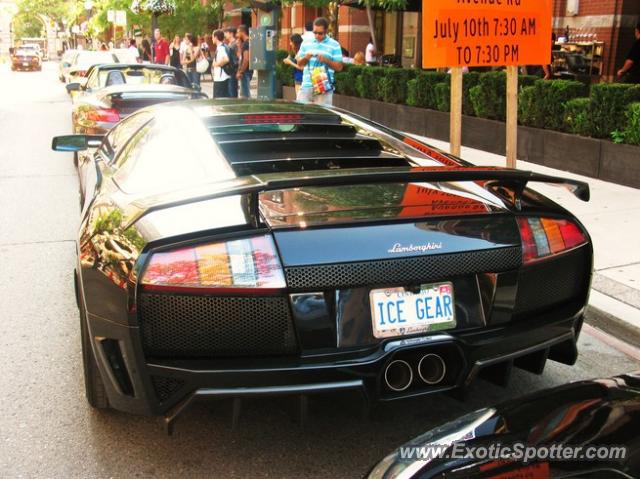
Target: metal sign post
263	43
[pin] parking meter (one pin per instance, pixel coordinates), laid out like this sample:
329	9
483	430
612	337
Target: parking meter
263	43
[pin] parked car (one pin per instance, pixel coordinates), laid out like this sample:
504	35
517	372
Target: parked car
112	92
234	248
65	63
589	416
25	59
81	63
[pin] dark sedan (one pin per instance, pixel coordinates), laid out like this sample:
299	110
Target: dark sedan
26	59
114	91
587	430
239	248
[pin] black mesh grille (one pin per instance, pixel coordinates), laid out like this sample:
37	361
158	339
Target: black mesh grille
399	271
165	387
215	326
552	282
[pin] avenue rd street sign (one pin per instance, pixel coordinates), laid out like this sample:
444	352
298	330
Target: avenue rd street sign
459	33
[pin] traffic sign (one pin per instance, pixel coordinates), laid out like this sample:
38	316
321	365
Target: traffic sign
459	33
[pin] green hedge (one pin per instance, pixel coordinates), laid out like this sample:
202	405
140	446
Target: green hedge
421	90
577	119
443	96
488	97
542	105
632	130
284	74
469	80
393	85
558	105
368	82
609	103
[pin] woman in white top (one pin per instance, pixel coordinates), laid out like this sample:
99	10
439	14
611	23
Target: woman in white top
370	53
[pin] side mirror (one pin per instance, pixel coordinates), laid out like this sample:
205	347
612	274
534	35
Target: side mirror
73	87
75	142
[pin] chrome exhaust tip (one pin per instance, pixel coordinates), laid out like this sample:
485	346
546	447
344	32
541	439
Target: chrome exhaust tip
398	375
432	369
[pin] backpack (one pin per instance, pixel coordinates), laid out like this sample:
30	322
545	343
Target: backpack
231	67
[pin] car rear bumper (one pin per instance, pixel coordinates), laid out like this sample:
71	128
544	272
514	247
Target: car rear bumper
169	386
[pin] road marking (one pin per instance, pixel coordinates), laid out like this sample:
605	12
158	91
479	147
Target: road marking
612	341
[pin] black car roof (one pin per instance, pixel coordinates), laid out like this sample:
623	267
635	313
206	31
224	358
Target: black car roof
215	107
122	66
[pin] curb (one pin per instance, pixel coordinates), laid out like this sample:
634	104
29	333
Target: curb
612	325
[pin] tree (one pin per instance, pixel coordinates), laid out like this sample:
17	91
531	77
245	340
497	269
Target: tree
28	26
155	8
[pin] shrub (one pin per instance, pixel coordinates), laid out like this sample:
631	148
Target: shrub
488	97
443	96
469	80
526	106
609	103
343	84
576	116
281	55
527	80
367	83
284	74
421	90
543	107
632	130
393	87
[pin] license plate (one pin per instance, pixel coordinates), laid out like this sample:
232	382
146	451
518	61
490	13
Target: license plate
397	312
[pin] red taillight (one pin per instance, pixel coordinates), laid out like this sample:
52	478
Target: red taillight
81	73
104	115
544	237
273	119
244	265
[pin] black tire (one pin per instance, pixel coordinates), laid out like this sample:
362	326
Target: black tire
95	391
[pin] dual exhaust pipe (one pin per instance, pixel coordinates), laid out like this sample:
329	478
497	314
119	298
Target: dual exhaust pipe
398	375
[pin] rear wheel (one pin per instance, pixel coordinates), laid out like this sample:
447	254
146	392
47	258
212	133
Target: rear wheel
94	387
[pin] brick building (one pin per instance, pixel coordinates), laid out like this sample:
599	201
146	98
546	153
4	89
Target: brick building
398	33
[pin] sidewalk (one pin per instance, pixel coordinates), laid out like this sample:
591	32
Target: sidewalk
611	217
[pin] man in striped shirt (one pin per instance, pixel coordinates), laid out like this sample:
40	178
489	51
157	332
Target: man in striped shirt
322	52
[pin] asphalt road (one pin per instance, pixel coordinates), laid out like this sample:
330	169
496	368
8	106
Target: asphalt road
47	429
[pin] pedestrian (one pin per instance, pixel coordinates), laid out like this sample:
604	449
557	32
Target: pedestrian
189	58
160	48
370	53
133	49
232	52
244	74
630	71
320	58
145	51
220	60
308	32
359	59
173	58
103	47
295	42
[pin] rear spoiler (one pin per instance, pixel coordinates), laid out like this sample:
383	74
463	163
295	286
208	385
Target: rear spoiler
514	180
